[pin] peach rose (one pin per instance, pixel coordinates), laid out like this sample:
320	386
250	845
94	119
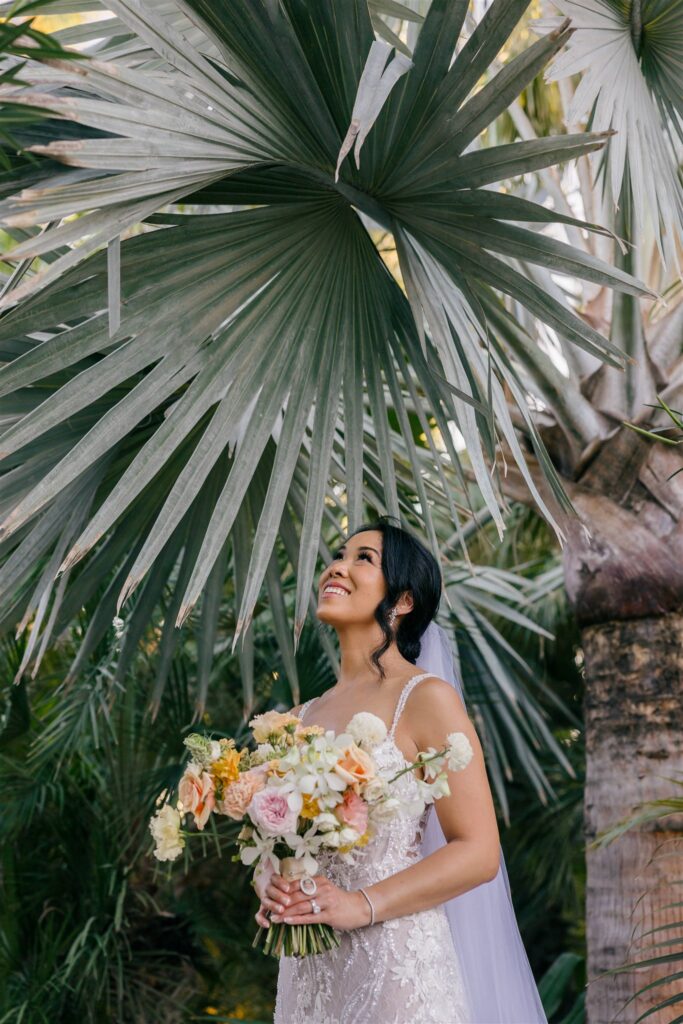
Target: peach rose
197	795
353	811
355	766
237	796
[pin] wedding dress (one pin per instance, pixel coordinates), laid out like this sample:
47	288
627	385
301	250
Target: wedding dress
401	971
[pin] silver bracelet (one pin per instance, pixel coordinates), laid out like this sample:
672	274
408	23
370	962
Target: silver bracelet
372	909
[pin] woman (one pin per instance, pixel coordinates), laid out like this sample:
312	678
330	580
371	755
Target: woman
397	962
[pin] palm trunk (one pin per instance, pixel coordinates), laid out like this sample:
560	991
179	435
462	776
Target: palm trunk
634	671
624	580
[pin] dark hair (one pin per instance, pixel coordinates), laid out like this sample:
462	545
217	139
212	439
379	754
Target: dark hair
407	566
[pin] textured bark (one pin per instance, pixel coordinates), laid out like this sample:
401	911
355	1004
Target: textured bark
633	735
623	567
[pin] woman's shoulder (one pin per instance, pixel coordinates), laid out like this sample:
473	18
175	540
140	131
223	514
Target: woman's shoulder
433	700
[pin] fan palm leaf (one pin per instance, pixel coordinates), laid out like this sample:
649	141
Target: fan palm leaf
257	329
628	55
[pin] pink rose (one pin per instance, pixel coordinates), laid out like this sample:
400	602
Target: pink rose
271	813
237	795
353	811
196	793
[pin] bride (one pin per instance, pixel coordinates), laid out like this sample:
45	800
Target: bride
413	950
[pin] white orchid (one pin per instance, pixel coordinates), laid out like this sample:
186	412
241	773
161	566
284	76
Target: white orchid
310	772
263	846
302	846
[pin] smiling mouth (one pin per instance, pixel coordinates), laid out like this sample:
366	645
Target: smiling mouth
332	591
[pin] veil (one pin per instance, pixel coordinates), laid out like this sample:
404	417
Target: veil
496	972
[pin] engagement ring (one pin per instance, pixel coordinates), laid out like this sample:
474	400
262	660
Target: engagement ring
315	908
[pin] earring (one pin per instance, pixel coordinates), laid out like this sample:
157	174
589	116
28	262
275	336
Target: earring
392	616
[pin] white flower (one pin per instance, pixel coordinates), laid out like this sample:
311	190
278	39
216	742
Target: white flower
215	750
433	764
332	839
376	789
302	846
459	752
348	835
165	828
386	810
310	771
438	788
367	730
326	822
263	847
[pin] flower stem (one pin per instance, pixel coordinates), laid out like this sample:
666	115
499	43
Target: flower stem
418	764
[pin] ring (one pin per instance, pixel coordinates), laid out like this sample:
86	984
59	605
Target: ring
315	908
308	885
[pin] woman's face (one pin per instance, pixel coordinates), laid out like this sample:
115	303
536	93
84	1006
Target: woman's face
356	572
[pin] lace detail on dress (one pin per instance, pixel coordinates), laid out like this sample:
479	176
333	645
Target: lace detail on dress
401	971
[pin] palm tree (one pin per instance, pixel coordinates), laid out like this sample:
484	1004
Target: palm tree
208	349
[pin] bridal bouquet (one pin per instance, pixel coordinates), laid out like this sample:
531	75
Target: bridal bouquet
301	790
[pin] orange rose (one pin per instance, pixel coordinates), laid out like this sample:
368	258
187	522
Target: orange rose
355	767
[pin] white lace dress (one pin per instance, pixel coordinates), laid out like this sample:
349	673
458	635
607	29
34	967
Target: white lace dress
401	971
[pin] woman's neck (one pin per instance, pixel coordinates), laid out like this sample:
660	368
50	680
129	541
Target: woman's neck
356	644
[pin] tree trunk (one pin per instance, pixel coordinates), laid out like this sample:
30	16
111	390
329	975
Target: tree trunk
623	566
633	734
625	582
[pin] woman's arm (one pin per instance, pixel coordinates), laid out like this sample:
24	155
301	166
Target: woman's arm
468	818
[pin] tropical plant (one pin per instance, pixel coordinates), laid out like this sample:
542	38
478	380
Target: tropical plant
90	931
176	398
165	408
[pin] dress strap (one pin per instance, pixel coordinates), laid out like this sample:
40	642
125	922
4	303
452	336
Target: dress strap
304	707
405	693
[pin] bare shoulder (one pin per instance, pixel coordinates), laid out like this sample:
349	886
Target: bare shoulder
296	710
435	709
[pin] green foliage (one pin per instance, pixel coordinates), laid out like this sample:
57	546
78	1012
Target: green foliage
189	395
93	929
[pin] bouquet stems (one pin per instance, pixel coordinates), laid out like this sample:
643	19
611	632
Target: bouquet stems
296	939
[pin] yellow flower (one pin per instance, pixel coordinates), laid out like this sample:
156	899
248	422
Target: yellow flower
310	807
226	768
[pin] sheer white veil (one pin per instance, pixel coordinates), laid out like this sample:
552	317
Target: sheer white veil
498	978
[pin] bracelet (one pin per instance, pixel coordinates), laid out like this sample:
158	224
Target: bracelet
372	909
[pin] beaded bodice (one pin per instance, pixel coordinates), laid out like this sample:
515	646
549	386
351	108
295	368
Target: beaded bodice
396	843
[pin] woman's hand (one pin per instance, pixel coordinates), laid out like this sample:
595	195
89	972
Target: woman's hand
339	908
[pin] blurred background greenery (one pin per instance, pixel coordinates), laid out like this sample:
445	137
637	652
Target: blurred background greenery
94	929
